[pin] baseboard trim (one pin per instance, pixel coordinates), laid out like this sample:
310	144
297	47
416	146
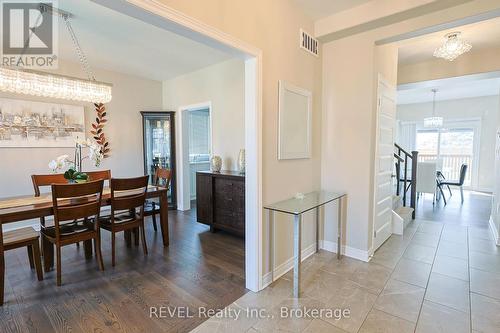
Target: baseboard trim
282	269
346	250
494	231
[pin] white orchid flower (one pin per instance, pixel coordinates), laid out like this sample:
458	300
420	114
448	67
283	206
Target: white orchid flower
53	165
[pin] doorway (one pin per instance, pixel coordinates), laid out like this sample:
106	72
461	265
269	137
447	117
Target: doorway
162	16
195	149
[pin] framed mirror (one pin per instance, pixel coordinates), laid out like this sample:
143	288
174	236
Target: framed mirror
295	122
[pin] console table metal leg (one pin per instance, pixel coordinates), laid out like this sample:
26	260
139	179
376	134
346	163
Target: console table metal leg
297	254
317	230
272	238
339	231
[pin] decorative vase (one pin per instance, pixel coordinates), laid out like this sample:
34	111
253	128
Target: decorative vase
241	161
216	163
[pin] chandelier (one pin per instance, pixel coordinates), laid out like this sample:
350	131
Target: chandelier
434	121
54	86
453	47
15	80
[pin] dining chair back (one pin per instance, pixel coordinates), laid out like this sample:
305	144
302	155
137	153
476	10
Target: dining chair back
76	201
128	196
162	177
463	173
40	181
46	180
100	174
76	218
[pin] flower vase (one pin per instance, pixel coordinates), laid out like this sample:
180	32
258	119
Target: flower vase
241	161
216	163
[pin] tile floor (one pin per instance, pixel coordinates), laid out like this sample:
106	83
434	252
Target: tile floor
438	277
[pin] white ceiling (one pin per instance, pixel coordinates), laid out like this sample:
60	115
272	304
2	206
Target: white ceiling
481	35
318	9
449	89
117	42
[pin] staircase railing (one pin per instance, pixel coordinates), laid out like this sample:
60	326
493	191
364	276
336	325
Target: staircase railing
403	157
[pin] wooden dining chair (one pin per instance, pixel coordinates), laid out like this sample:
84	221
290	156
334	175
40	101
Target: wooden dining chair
24	237
162	177
100	174
128	196
41	181
76	219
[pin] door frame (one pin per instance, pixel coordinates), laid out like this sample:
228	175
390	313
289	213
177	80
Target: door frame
165	17
184	183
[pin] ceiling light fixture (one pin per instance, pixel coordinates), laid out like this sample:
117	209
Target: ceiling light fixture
434	121
453	47
43	84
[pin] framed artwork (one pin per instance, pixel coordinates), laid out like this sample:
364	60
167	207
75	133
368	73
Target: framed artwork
295	122
38	124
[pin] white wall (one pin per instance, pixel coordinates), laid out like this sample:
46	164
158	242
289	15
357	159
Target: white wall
486	108
224	86
123	130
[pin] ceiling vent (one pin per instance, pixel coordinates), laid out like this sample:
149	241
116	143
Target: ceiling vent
309	43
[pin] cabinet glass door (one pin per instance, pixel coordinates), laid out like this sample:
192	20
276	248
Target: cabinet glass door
159	147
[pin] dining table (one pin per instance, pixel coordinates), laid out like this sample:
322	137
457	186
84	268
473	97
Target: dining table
22	208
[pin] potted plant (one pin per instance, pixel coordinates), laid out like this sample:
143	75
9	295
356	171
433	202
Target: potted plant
74	176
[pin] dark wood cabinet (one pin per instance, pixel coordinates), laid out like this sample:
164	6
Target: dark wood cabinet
220	200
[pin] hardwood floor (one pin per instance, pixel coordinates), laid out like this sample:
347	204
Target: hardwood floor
475	211
199	269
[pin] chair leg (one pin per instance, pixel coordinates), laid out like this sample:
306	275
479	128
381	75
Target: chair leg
143	238
154	222
48	254
462	193
30	255
97	250
37	260
78	244
442	194
58	264
135	232
449	190
2	277
112	249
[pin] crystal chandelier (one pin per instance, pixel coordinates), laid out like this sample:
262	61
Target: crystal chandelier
453	47
57	86
433	122
54	86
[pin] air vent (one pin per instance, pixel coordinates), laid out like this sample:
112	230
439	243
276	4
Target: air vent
309	43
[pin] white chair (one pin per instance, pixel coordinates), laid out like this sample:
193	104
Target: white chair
426	178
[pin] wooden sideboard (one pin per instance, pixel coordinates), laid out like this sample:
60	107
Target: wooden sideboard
220	200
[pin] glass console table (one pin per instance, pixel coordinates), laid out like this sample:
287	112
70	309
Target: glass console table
297	207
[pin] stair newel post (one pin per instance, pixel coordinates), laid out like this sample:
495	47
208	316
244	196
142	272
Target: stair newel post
413	199
398	175
405	180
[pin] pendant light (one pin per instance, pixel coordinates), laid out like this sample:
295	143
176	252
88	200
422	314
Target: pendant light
434	121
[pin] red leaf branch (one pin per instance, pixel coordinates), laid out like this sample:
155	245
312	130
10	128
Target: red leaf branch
97	129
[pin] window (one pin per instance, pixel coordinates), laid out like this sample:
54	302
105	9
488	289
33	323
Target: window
450	147
199	135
